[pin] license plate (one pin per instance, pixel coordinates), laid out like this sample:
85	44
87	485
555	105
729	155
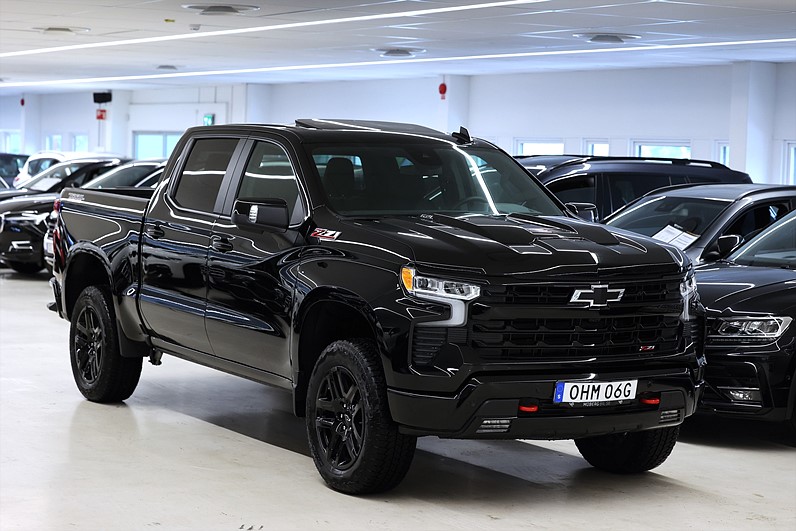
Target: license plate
592	392
48	246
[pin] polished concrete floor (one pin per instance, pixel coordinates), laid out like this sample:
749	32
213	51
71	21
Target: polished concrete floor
201	450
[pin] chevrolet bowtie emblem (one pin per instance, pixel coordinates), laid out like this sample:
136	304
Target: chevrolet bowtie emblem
598	296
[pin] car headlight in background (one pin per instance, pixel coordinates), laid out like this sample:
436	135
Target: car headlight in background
688	288
451	292
748	330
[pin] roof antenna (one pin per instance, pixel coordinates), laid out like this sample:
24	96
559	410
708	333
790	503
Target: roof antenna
463	136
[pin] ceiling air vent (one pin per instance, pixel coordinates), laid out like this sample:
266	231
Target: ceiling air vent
221	9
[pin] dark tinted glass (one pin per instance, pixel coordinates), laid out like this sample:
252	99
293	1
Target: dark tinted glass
577	189
269	174
625	187
204	170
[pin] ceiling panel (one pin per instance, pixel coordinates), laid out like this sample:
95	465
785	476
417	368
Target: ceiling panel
527	27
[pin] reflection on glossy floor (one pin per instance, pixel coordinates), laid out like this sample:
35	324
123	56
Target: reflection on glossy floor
198	449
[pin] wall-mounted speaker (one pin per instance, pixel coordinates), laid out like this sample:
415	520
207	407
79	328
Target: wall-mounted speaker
102	97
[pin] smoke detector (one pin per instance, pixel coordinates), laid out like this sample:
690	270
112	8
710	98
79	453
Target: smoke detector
221	9
607	38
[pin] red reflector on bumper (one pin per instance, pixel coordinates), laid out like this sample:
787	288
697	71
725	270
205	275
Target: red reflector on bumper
651	401
529	409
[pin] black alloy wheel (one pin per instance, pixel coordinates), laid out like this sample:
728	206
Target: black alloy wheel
339	420
101	373
89	342
356	446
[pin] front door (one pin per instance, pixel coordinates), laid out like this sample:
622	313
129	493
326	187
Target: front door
251	273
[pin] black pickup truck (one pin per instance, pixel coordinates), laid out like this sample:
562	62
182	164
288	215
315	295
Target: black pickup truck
399	282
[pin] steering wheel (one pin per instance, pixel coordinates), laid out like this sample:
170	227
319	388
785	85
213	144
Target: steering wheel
470	199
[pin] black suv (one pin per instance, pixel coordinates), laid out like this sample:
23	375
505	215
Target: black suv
612	182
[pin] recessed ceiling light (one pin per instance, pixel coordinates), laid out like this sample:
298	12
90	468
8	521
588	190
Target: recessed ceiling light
397	53
221	9
607	38
62	30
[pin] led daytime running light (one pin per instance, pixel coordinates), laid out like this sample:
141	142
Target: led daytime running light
437	288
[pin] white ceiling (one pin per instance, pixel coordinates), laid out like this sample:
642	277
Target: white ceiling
317	46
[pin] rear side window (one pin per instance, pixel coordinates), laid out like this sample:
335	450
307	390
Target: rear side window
200	180
757	218
625	187
579	189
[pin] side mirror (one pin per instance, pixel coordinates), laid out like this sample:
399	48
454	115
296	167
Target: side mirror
263	214
585	211
723	247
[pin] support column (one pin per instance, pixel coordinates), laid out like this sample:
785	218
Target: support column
752	119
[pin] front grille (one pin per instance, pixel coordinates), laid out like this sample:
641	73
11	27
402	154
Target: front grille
636	293
547	339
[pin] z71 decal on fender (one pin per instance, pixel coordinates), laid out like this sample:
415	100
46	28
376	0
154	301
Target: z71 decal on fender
326	234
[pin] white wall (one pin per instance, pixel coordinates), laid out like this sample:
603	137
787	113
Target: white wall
702	106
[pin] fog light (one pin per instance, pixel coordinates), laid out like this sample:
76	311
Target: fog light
743	394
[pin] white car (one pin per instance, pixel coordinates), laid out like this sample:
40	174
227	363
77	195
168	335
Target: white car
38	162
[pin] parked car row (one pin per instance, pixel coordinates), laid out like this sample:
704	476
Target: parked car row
24	212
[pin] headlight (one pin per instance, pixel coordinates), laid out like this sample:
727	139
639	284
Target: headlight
748	329
450	292
437	288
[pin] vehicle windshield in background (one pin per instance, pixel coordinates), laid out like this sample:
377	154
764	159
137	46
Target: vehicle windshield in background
676	220
121	176
52	176
774	247
401	179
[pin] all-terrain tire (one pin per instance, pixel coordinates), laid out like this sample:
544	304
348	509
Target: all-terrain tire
629	453
356	446
100	372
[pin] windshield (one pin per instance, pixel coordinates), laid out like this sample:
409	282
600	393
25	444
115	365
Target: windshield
122	176
774	247
52	176
676	220
406	179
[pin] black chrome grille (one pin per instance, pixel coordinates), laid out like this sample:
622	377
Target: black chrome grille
635	293
562	338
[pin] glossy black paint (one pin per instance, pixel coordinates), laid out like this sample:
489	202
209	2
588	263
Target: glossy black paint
730	290
263	304
22	228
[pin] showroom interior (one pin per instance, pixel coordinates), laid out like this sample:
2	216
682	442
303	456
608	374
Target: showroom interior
195	448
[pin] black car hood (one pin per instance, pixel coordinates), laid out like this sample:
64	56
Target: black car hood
16	192
40	202
524	245
726	286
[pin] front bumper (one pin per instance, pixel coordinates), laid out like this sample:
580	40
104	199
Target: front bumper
21	243
488	407
753	383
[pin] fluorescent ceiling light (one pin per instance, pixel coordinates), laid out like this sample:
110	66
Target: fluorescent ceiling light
289	68
292	25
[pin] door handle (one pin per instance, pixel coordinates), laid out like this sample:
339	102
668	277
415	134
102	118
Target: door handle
221	245
155	232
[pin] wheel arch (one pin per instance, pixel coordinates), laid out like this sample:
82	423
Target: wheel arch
324	317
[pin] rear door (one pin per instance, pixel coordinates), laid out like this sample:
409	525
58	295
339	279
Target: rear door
251	272
176	239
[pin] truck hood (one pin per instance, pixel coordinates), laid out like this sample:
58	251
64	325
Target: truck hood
526	246
747	288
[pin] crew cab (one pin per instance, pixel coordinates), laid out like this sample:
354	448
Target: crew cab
398	281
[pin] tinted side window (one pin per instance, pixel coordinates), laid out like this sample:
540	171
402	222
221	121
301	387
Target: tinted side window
269	174
579	189
757	218
200	180
625	187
